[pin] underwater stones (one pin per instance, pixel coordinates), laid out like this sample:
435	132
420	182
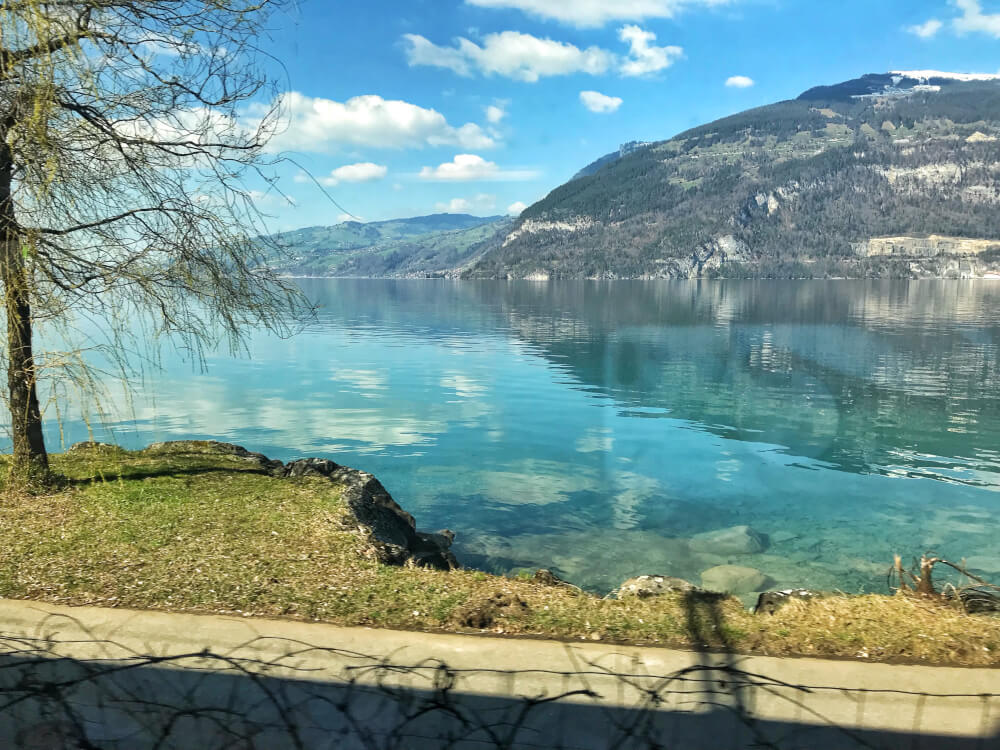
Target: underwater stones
594	560
984	563
735	540
780	537
963	520
733	579
646	586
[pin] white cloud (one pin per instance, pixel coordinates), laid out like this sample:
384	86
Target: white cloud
479	203
524	57
739	82
973	19
511	54
363	172
470	168
516	209
495	113
348	217
590	13
643	57
322	125
463	168
926	30
600	103
455	206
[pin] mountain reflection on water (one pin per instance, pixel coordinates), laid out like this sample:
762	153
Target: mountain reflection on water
593	427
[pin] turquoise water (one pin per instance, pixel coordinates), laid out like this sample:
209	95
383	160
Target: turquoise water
593	427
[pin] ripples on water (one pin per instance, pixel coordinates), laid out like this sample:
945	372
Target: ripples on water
592	427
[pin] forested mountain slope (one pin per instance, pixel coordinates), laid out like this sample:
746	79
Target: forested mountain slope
420	246
797	188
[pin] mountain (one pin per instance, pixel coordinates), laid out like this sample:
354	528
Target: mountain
894	174
624	150
419	246
898	83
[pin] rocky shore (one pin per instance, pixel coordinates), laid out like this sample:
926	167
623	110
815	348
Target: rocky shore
393	538
211	528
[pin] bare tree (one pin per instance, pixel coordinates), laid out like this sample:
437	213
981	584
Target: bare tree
127	131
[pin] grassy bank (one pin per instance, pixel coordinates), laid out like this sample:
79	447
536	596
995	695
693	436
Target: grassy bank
212	533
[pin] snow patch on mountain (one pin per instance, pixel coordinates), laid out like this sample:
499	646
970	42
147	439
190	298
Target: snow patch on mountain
926	75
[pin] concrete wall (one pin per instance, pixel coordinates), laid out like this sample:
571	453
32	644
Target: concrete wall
117	680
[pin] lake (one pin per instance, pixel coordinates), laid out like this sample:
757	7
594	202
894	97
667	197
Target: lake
593	427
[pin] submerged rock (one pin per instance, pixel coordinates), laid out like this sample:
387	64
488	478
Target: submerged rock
771	601
646	586
780	537
735	540
733	579
984	563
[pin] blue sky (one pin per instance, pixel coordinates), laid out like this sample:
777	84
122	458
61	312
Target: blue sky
409	107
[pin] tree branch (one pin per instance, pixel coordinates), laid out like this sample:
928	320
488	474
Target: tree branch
10	58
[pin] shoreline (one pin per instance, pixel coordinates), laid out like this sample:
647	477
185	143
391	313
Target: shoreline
211	528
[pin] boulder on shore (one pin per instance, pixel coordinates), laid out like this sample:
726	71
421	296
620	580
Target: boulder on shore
735	540
646	586
272	466
546	577
733	579
91	446
392	528
770	602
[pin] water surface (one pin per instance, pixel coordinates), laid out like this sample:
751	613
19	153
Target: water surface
592	427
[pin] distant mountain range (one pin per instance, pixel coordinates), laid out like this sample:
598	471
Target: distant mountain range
420	246
892	174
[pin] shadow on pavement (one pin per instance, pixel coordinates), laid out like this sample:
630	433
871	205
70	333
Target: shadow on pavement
209	701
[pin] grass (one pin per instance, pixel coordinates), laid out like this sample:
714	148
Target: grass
209	533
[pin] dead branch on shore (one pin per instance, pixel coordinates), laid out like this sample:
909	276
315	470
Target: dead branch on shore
977	596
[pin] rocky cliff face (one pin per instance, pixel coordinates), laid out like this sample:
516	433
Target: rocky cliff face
926	247
792	189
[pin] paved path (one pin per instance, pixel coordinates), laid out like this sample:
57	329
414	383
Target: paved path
129	680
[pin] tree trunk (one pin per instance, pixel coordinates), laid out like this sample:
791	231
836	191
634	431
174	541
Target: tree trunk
30	457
